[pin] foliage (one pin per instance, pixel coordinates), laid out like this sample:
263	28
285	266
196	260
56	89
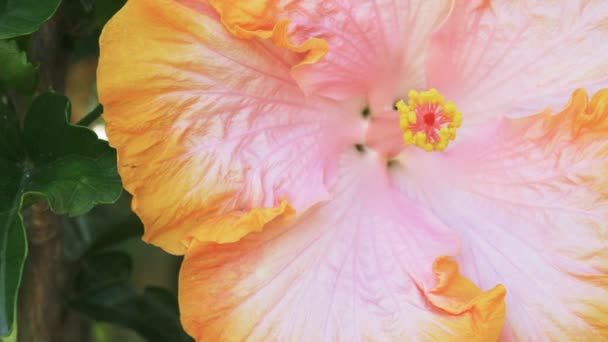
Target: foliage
20	17
103	291
43	162
46	160
15	70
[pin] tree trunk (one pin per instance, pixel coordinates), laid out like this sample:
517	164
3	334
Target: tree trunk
42	317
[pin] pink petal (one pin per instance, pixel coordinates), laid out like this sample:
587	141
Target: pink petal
518	57
530	197
206	124
375	46
357	267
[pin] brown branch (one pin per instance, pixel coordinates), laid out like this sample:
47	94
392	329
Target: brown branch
40	308
41	313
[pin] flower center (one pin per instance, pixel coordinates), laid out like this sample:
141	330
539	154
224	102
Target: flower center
428	121
429	118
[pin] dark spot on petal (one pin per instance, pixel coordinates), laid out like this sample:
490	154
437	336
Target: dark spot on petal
365	113
360	148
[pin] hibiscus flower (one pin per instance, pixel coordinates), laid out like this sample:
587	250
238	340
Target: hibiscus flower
369	169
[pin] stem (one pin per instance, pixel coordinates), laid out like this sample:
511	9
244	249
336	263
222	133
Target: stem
39	304
41	313
91	117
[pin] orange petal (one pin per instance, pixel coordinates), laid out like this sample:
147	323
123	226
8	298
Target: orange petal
245	18
235	225
256	19
207	126
370	49
458	296
356	267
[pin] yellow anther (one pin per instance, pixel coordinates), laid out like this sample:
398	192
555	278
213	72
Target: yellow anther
441	146
457	121
403	123
427	120
449	109
452	134
420	139
401	105
411	117
408	137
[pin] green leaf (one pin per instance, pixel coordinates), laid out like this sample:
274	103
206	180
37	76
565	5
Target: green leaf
104	10
102	270
103	293
72	168
13	246
92	15
15	70
87	5
13	249
53	160
102	227
21	17
12	337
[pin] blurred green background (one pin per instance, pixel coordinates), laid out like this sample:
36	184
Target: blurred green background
150	265
116	287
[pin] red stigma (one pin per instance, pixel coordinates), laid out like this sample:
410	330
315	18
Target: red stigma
429	119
